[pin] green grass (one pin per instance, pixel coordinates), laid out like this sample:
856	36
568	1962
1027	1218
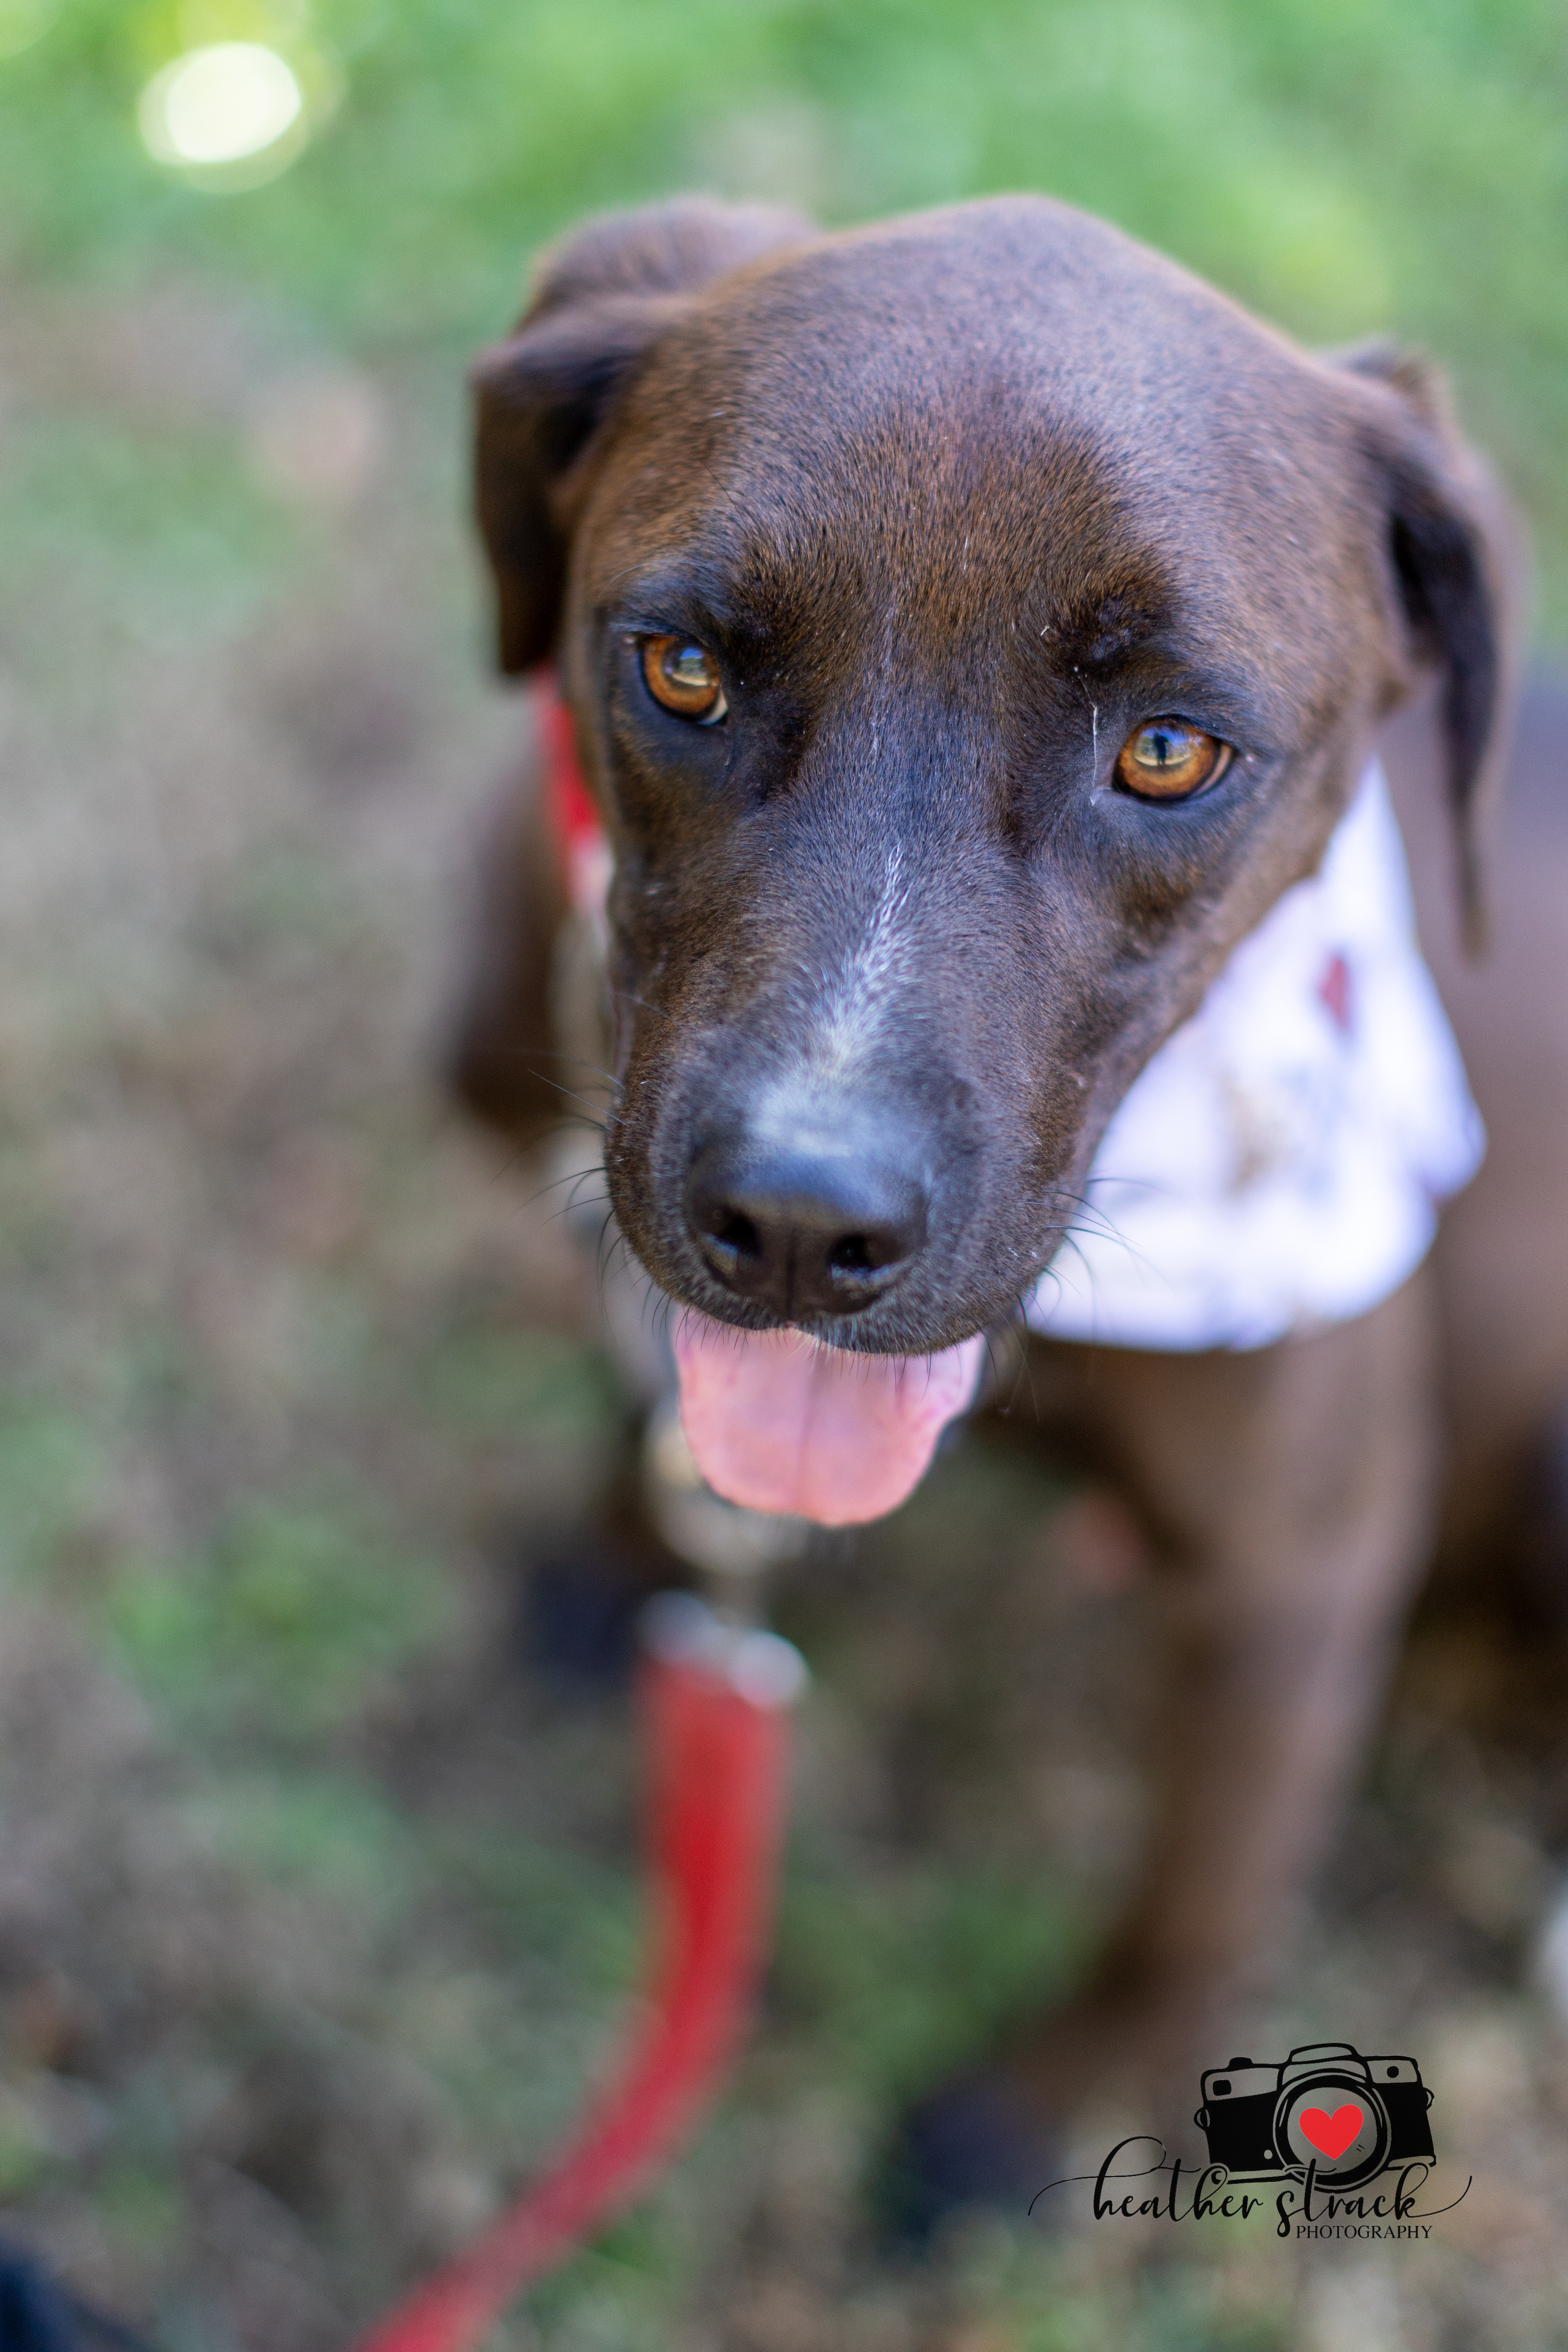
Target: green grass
288	1625
904	1979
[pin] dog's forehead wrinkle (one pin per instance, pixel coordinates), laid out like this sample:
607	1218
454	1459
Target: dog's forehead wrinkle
1091	554
1090	538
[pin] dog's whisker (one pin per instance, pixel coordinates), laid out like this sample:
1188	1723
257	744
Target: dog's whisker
659	1011
596	1117
596	1069
578	1199
573	1176
1025	1360
559	1216
604	1251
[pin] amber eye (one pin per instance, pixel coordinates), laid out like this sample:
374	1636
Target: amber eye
683	677
1166	760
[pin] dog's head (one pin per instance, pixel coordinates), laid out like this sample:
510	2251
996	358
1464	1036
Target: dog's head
973	624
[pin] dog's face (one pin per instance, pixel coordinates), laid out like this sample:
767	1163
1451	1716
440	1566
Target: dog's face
973	627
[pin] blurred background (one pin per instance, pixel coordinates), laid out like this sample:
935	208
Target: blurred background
318	1904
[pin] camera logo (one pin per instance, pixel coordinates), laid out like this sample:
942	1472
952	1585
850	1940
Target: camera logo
1324	2106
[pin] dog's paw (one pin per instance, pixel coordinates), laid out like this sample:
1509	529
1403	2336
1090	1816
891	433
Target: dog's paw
36	2315
974	2142
582	1596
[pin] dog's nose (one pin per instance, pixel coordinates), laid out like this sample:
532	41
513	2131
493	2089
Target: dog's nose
806	1226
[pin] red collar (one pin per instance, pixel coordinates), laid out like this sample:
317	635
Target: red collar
572	811
574	820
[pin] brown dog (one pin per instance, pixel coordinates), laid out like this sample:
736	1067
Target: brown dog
869	563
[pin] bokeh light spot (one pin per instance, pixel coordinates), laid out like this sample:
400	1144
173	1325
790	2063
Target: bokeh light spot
220	105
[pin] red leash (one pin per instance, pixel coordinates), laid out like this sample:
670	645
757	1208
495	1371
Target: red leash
717	1711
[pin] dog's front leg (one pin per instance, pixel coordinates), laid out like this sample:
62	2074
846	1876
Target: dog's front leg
1288	1495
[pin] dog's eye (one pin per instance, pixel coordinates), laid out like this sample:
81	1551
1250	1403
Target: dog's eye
1166	761
683	677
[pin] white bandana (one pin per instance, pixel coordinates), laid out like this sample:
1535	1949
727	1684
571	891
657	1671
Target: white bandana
1277	1165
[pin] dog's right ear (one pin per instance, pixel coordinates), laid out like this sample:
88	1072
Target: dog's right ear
601	302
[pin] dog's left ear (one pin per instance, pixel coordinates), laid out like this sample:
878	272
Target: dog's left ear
601	299
1453	568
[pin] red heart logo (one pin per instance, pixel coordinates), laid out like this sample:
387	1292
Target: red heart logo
1331	2133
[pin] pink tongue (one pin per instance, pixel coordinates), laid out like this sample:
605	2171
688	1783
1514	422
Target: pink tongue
779	1423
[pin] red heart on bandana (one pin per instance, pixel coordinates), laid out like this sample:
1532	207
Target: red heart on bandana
1330	2134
